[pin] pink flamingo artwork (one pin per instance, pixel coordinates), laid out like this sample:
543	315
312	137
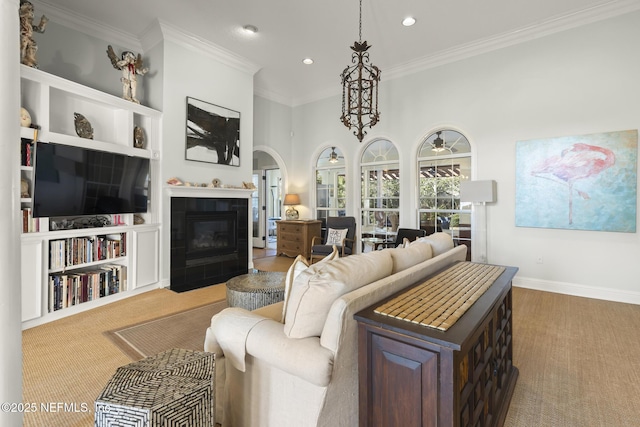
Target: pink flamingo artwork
580	161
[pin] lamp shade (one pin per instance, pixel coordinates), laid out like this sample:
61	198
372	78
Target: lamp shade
291	199
478	191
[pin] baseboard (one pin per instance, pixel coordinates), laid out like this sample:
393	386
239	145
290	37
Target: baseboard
615	295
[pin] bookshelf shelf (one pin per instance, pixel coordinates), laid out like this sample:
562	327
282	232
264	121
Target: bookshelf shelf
86	277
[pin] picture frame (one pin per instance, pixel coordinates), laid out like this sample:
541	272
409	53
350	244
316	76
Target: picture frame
212	133
578	182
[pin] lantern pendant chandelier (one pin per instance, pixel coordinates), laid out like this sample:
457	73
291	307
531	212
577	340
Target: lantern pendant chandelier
360	89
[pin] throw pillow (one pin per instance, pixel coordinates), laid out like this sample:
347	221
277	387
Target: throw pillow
440	242
299	265
316	288
335	237
405	257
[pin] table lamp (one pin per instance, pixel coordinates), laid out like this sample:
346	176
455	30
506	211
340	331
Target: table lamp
291	200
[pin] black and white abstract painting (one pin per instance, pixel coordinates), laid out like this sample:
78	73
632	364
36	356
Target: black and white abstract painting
213	133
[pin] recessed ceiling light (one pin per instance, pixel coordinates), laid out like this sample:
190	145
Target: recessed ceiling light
251	29
307	61
408	21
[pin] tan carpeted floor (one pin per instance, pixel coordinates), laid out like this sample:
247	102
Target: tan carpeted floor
184	330
70	360
579	359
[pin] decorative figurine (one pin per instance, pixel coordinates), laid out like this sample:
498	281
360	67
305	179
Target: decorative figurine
25	118
138	137
130	66
24	188
28	46
83	127
174	181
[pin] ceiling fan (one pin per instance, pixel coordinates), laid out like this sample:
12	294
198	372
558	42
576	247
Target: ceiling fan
439	145
333	156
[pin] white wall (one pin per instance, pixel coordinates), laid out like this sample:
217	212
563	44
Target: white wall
201	76
580	81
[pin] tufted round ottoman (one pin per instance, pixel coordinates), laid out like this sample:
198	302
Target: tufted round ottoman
255	289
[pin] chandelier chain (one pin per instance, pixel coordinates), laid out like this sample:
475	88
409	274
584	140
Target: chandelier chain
360	26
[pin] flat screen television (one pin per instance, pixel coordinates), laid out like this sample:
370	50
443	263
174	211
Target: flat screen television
73	181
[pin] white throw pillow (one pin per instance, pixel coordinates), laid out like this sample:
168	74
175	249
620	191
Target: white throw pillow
316	288
440	242
335	237
299	265
405	257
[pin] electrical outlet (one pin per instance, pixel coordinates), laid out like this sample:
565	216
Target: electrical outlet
539	260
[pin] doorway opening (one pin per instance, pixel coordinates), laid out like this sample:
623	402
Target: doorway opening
266	202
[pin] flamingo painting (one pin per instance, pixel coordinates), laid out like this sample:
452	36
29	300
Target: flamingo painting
578	162
582	182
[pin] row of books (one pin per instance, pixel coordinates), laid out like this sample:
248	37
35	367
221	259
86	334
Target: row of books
29	223
26	152
82	250
66	290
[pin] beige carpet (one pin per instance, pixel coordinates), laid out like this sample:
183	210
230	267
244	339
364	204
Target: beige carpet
578	358
71	360
181	330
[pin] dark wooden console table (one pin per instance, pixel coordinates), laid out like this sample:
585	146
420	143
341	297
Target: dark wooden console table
415	375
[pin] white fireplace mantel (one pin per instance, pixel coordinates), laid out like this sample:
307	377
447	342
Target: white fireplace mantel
210	192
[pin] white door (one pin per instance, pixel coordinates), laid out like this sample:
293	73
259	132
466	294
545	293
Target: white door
258	210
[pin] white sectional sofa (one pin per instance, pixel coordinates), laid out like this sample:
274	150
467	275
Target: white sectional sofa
298	366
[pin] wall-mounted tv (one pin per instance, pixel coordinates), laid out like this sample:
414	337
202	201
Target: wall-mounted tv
74	181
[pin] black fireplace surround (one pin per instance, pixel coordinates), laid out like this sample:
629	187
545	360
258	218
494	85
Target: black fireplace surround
209	241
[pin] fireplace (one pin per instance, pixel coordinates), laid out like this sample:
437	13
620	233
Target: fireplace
209	241
210	234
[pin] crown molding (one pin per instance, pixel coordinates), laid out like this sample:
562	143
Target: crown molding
554	25
148	38
550	26
273	96
86	25
193	42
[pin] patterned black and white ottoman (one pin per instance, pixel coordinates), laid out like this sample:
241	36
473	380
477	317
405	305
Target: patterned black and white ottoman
173	388
255	289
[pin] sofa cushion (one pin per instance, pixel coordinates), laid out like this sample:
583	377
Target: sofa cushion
317	287
440	242
299	265
405	257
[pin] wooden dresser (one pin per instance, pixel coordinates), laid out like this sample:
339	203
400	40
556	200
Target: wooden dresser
414	375
294	237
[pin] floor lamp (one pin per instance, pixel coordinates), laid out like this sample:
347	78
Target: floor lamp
479	192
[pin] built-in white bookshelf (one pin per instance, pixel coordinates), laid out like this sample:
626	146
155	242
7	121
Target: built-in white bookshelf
96	262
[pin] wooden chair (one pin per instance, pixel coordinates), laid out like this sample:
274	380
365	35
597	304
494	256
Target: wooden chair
335	225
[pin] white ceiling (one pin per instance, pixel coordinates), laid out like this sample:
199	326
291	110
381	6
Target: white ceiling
291	30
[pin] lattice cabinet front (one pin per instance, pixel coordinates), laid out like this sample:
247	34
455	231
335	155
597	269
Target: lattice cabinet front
485	368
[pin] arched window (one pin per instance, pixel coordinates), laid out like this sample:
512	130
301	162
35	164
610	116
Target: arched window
380	193
331	189
444	159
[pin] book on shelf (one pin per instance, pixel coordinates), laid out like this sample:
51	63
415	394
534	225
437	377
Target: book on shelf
29	223
66	290
74	251
26	152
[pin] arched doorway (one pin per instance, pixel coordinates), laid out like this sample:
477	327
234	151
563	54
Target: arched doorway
266	200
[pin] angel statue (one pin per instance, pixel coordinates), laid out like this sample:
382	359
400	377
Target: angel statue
28	46
130	66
